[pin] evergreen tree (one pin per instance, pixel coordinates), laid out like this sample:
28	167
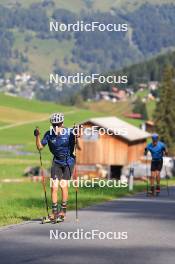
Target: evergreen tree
140	107
164	115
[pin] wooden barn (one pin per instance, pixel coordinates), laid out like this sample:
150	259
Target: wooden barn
110	143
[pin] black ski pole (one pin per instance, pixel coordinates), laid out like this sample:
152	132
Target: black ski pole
147	179
167	181
43	183
75	175
76	197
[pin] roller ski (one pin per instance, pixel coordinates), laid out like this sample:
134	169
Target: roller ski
61	215
46	220
157	190
59	219
51	219
151	193
56	217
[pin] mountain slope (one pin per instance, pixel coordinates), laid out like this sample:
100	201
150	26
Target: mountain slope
77	5
27	45
150	70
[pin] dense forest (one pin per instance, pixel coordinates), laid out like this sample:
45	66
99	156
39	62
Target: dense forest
151	30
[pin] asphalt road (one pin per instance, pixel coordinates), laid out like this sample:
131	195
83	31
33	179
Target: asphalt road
149	223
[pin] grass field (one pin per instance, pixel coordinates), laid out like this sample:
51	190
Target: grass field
19	117
116	109
3	123
32	106
119	109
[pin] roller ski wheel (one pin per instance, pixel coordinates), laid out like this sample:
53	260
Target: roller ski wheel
151	194
46	220
59	219
49	219
53	220
157	192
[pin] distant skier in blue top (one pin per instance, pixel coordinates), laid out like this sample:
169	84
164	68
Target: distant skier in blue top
158	150
61	142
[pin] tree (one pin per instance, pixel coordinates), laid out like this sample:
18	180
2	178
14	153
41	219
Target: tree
164	115
140	107
89	3
77	100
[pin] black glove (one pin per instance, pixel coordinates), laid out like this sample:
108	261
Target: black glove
36	132
145	152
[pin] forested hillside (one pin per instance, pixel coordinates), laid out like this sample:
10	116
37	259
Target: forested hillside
144	72
27	44
79	5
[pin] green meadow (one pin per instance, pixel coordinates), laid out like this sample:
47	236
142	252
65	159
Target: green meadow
21	116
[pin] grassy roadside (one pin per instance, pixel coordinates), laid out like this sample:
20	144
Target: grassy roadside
25	201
